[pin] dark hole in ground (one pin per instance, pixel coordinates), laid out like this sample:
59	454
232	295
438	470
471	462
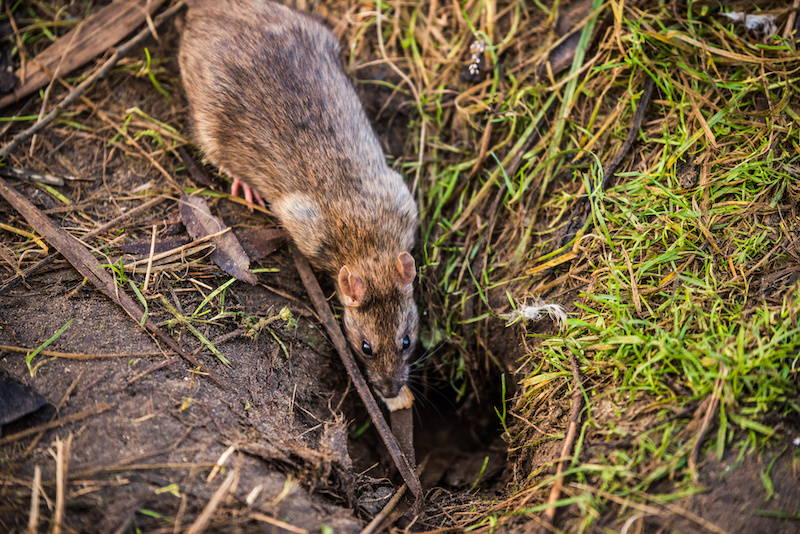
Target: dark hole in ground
461	440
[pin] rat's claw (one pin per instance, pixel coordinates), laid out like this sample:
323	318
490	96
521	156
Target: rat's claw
248	195
235	186
258	199
248	192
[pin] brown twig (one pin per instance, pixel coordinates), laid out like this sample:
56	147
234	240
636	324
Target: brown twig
335	333
205	516
77	355
72	418
390	513
376	522
281	525
569	440
76	93
580	213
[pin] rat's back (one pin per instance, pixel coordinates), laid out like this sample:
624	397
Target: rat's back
272	106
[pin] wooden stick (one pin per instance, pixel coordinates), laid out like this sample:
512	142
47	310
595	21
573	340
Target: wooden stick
569	440
375	524
335	333
205	516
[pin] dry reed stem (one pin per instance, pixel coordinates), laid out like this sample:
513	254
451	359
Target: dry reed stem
62	465
36	488
569	440
201	523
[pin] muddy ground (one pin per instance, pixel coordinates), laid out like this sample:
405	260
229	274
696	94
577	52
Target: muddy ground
305	453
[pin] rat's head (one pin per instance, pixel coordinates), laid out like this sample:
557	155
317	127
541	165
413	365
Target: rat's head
380	319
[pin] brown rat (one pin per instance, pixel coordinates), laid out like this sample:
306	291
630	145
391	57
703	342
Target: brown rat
272	107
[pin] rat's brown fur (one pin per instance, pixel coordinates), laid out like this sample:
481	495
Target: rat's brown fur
272	106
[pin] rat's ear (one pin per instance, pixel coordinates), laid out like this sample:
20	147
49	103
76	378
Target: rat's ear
352	287
406	270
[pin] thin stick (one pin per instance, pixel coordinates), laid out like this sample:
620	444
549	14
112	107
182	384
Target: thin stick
46	96
373	525
62	463
204	518
77	355
277	523
787	31
76	93
33	518
150	261
335	333
220	463
581	211
72	418
566	449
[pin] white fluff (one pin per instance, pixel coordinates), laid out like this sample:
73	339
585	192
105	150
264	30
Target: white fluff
764	24
537	310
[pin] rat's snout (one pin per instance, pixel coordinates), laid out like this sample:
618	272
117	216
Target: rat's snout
387	384
391	389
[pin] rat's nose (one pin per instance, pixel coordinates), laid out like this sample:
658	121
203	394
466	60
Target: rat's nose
391	389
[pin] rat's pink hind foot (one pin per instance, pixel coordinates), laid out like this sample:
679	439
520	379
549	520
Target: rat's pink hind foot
248	192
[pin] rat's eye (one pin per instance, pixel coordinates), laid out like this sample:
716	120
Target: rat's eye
366	348
406	342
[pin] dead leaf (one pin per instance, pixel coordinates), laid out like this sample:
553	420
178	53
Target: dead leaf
262	242
229	254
